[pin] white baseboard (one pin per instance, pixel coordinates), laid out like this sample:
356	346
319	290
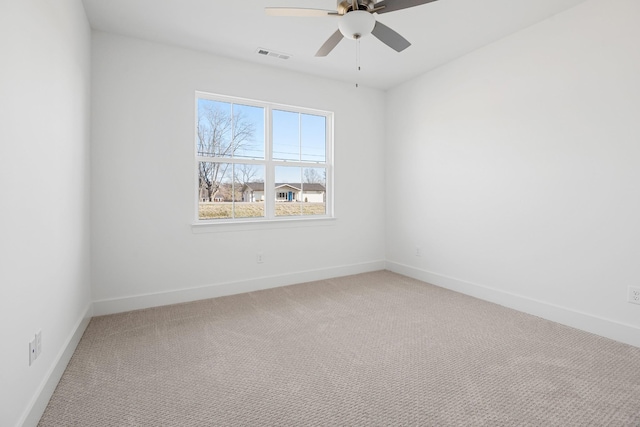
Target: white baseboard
39	402
136	302
608	328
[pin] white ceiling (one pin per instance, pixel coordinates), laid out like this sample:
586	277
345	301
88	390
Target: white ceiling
439	32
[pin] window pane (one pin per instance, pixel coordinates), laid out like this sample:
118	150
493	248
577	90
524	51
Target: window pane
213	136
249	196
248	129
288	191
215	182
286	135
314	191
313	138
228	190
229	130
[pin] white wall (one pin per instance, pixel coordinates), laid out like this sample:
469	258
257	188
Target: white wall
144	251
44	197
516	170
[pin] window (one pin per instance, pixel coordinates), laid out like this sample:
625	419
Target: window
261	161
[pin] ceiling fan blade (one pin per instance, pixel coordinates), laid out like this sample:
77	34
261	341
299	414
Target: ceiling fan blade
391	5
297	11
389	37
330	44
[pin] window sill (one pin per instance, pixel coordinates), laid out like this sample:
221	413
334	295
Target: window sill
223	226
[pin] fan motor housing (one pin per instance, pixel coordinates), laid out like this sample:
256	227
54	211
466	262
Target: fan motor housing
346	6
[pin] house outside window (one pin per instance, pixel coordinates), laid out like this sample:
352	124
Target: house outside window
261	161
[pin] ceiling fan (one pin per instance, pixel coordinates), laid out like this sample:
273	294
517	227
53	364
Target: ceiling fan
356	20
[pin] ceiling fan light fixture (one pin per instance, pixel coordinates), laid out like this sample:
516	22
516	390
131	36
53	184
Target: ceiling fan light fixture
356	24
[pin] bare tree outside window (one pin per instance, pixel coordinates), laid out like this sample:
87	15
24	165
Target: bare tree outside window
312	176
245	174
222	131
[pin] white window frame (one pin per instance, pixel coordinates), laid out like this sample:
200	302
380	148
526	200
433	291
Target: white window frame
269	163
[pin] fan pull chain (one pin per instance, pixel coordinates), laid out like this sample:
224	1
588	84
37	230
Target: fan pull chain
357	56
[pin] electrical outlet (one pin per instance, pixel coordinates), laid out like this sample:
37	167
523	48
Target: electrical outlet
32	351
35	347
418	251
259	258
634	294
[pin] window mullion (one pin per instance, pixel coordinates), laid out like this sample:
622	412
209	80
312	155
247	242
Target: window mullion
269	184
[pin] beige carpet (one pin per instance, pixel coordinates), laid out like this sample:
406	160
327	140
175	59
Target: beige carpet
374	349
